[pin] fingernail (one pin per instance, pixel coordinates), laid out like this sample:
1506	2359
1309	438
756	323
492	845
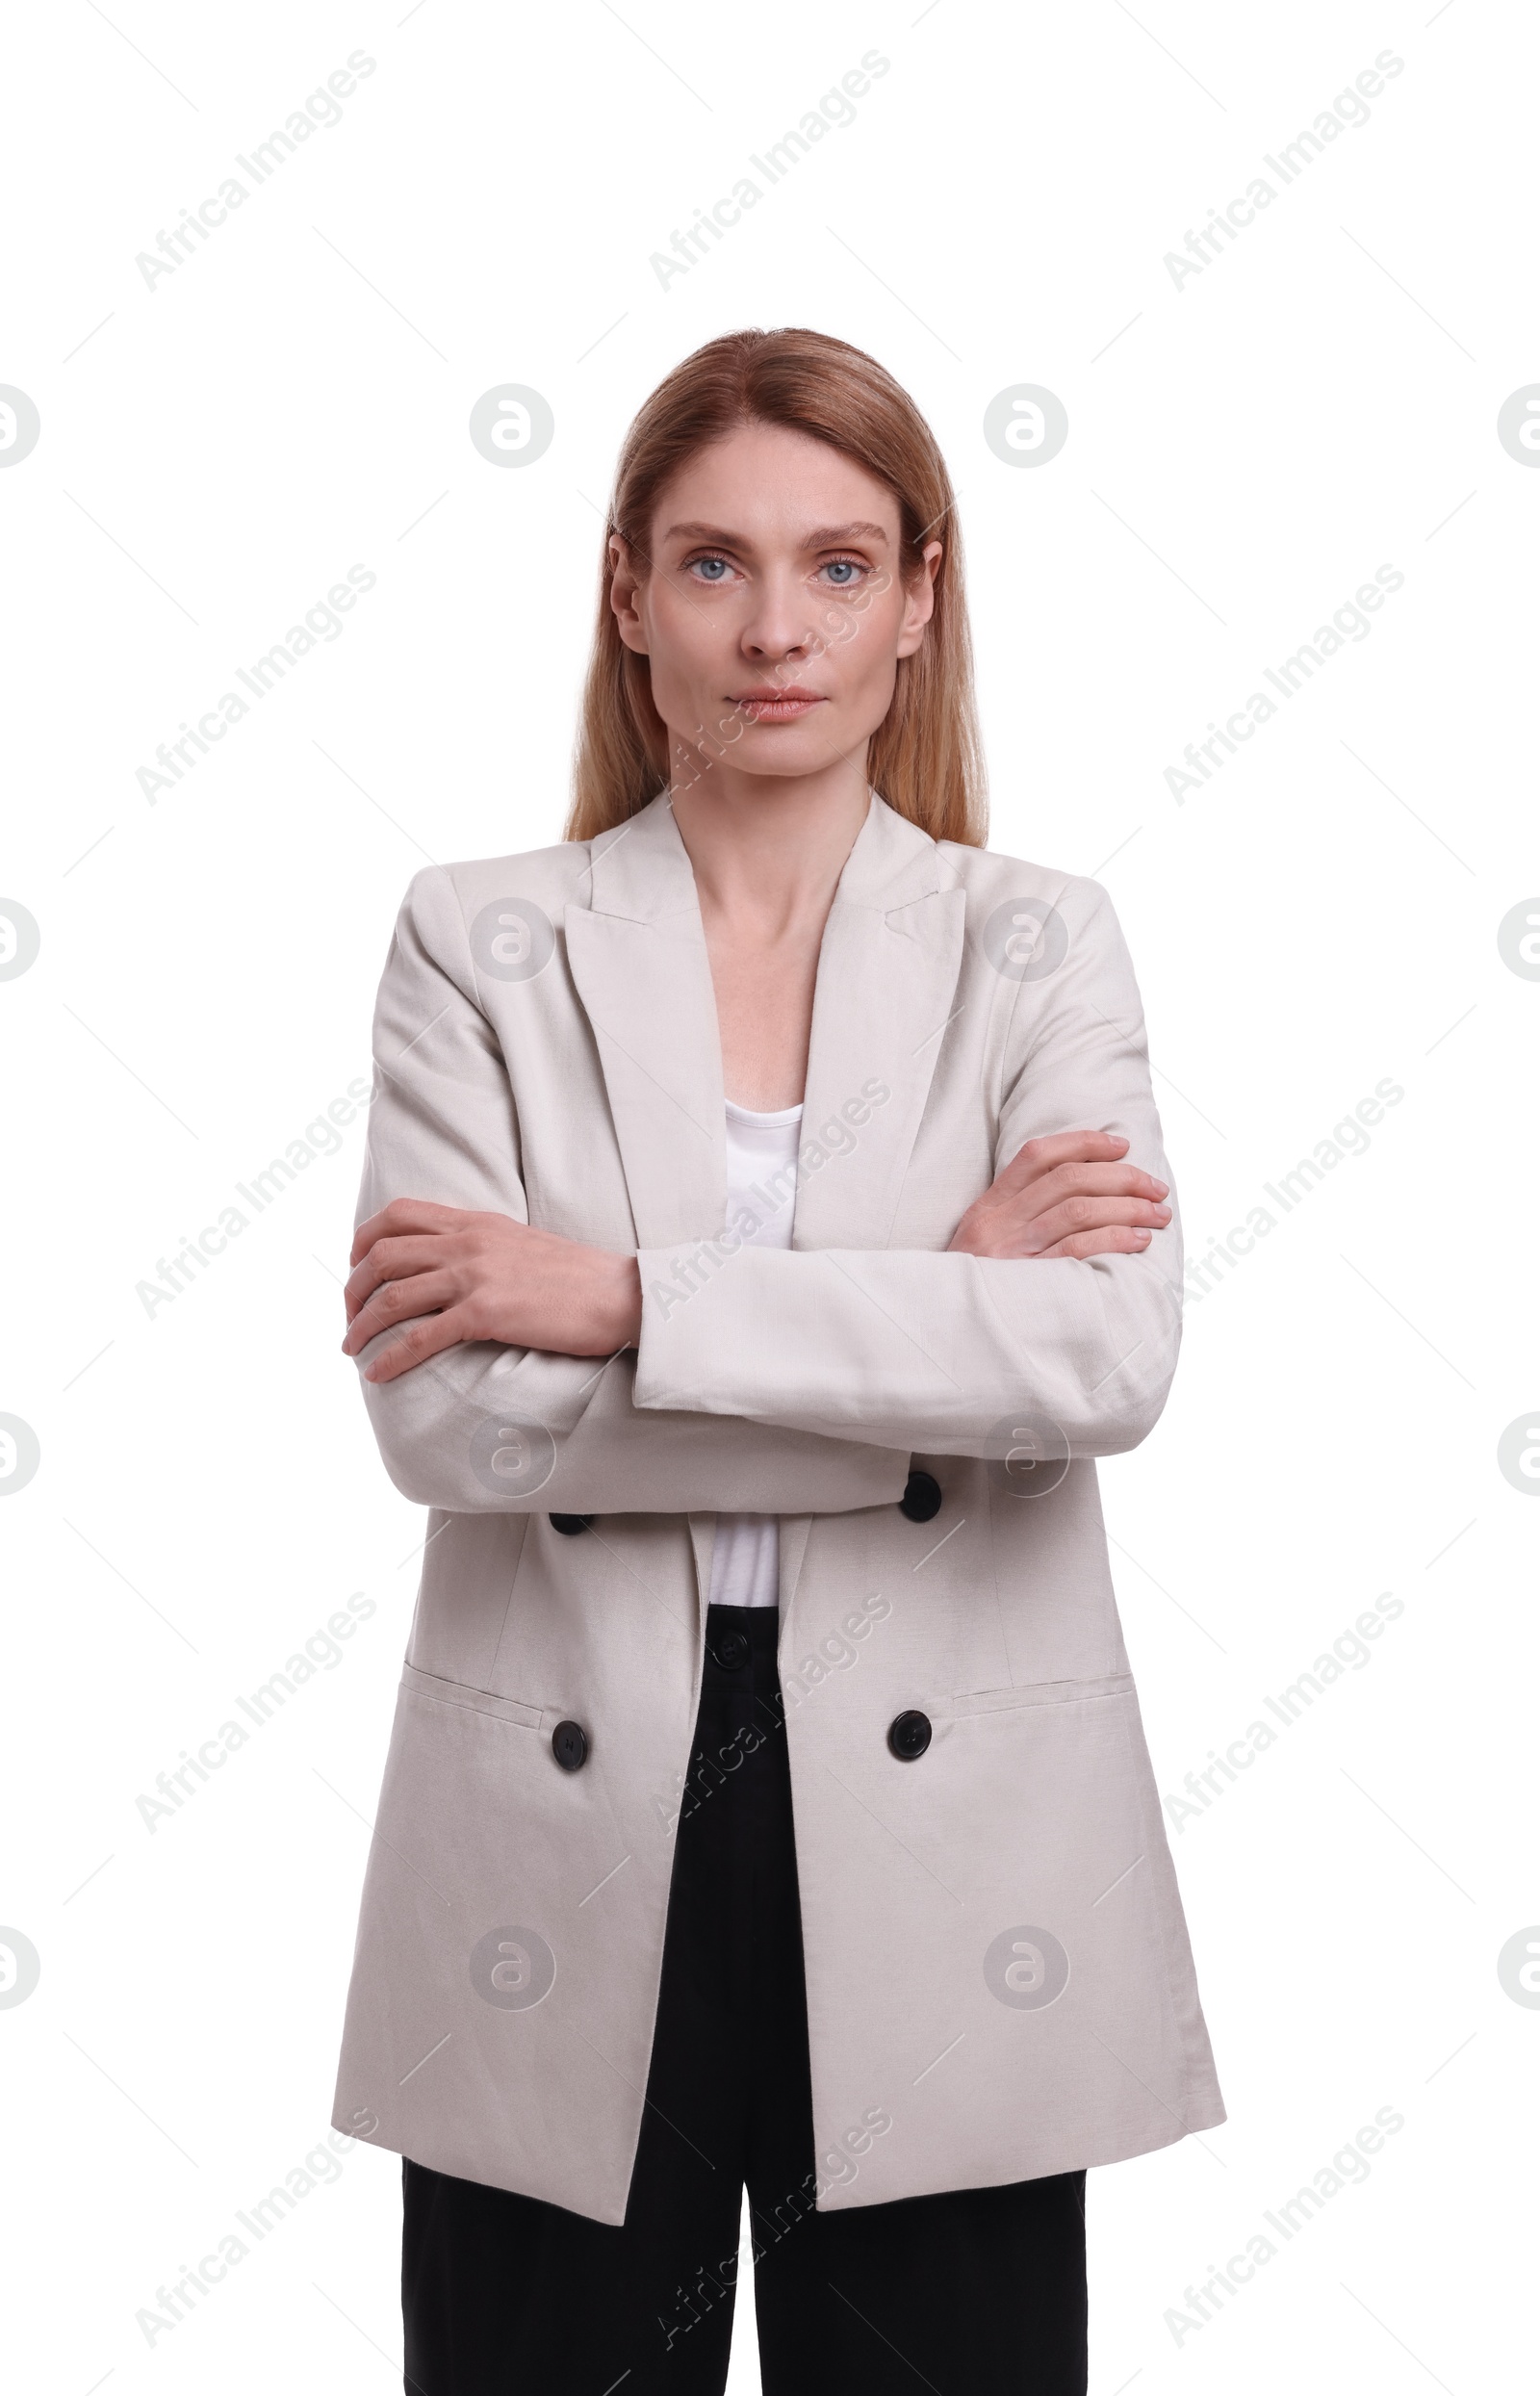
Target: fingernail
1164	1187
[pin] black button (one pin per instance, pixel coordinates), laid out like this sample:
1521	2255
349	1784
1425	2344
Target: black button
569	1744
908	1735
731	1651
571	1526
921	1498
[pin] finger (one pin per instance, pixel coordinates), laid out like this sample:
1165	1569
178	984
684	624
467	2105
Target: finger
394	1303
388	1260
403	1215
415	1343
1098	1214
1005	1216
1037	1157
1036	1232
1114	1241
1122	1180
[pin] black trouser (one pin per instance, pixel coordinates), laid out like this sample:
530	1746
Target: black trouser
980	2288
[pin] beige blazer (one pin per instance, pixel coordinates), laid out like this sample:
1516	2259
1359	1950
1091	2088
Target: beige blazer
996	1960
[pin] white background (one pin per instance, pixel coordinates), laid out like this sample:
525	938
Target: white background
1244	450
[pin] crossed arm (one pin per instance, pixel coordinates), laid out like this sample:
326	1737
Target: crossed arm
795	1381
446	1274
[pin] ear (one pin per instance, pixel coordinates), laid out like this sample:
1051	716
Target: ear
625	589
919	602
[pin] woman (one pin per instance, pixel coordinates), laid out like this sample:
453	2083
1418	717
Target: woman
764	1228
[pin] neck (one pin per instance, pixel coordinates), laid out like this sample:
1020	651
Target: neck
771	851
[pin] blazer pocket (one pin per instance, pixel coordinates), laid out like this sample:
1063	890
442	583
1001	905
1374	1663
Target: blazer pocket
471	1700
1034	1694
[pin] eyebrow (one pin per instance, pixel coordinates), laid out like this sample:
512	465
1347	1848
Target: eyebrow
824	536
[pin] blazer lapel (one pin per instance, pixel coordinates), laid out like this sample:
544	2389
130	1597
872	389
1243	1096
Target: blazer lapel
887	977
638	957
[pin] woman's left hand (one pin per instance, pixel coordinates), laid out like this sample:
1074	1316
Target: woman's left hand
447	1275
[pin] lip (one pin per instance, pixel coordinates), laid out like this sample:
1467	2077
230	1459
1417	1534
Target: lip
773	703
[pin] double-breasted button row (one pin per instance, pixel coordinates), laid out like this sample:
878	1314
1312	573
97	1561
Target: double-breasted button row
909	1733
920	1503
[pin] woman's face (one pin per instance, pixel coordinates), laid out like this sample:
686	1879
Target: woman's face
772	609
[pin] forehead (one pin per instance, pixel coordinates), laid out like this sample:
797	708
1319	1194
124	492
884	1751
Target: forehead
772	485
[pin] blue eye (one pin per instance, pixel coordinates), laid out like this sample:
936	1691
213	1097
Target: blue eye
718	566
846	568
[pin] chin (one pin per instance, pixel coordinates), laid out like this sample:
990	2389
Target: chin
765	754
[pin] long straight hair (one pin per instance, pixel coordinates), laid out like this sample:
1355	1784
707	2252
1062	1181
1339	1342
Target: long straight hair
925	758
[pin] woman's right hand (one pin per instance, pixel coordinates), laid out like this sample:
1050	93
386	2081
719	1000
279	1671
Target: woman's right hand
1068	1194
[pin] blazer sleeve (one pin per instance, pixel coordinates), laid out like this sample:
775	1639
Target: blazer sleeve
443	1125
949	1354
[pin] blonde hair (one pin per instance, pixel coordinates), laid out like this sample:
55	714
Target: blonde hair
925	758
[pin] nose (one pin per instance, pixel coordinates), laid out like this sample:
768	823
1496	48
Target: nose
779	623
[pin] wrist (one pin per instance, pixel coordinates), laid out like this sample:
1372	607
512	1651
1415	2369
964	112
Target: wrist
624	1303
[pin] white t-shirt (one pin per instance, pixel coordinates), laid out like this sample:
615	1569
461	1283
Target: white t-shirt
762	1191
